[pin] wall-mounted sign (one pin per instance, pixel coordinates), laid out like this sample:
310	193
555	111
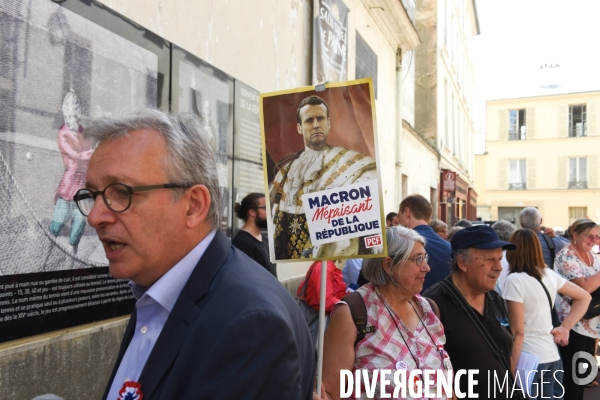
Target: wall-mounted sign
449	181
330	41
247	162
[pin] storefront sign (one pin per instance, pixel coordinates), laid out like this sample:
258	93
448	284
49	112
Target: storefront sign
449	181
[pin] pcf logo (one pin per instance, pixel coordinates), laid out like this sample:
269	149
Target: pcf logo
373	241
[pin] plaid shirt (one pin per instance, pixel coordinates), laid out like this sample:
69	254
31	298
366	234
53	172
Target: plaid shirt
385	349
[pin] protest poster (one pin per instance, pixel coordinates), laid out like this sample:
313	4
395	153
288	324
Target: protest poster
322	173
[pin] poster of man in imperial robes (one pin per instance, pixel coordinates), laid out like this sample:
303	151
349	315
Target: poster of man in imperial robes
321	172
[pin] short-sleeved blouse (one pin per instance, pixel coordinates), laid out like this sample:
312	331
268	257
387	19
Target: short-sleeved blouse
569	266
385	348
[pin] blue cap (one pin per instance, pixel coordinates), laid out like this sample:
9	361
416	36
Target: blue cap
479	237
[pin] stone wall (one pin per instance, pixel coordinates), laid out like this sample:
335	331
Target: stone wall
73	364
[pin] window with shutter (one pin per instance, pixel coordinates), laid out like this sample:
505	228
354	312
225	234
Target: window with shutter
592	129
576	213
502	172
502	125
517	124
593	172
517	174
530	132
578	173
531	173
577	120
563	120
562	173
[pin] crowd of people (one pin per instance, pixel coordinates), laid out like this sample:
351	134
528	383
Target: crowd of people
504	295
209	322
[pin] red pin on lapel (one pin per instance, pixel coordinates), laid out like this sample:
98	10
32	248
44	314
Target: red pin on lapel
131	391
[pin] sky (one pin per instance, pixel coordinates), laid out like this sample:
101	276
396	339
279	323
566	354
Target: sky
518	36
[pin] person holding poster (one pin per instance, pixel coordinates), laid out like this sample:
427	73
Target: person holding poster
317	168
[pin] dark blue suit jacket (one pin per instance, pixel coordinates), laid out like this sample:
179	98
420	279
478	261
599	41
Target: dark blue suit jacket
235	332
440	255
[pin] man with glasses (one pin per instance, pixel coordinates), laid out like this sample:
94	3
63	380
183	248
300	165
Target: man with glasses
208	322
468	296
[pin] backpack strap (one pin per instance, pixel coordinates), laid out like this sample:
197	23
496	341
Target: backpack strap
358	310
304	283
551	247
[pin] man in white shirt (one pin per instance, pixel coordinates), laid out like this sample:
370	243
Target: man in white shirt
209	322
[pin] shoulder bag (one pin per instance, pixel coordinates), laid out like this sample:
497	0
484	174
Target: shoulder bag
553	313
594	307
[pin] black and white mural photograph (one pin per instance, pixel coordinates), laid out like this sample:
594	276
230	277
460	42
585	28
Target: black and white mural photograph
208	93
58	71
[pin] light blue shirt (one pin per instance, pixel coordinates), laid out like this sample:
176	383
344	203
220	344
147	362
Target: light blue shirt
559	243
153	308
351	270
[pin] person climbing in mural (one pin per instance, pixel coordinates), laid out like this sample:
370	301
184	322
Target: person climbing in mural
76	153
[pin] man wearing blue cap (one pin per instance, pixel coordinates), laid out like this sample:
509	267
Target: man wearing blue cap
473	314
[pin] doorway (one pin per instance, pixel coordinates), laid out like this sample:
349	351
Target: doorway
510	214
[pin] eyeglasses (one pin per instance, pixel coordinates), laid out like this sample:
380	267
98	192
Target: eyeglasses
116	196
263	207
593	237
420	258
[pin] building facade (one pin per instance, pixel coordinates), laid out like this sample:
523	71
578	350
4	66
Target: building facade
541	152
443	116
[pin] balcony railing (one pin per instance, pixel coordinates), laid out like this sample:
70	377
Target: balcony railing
578	185
515	135
517	186
578	131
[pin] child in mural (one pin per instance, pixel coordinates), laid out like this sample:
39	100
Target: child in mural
76	152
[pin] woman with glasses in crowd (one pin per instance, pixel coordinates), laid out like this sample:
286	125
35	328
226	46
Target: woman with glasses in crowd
407	334
529	289
578	264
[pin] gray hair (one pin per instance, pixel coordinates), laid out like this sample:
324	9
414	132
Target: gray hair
464	223
400	242
452	231
464	254
503	229
438	225
531	218
189	159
